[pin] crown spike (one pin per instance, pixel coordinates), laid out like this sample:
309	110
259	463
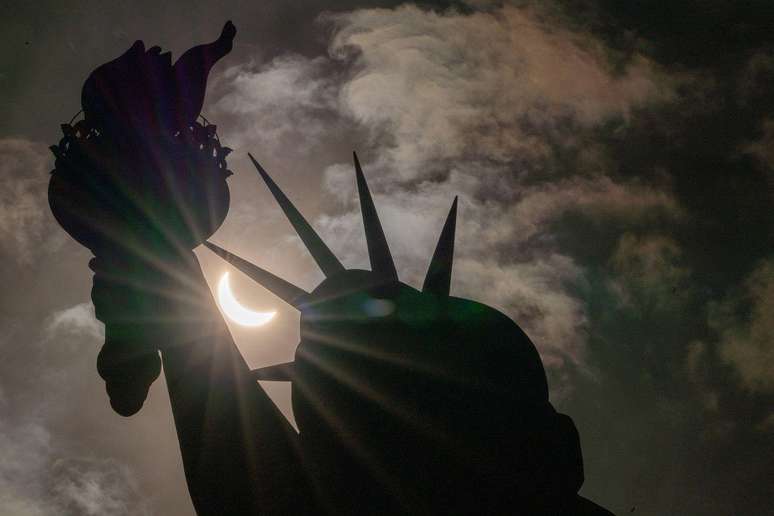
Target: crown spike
325	259
286	291
378	250
438	278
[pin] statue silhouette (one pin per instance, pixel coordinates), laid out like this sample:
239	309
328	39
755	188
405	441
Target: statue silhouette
407	401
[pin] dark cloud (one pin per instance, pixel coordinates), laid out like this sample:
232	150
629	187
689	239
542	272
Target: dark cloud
695	34
36	479
26	225
43	472
745	324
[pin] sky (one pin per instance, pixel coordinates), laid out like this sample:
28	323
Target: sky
614	163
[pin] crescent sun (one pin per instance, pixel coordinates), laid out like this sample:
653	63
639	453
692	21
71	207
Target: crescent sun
235	311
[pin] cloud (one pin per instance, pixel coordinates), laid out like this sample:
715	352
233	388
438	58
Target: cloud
486	106
24	450
97	487
535	295
39	478
482	105
285	103
78	321
763	148
504	254
495	85
650	273
745	323
42	473
25	220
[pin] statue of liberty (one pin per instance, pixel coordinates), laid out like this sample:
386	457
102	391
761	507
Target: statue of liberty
431	404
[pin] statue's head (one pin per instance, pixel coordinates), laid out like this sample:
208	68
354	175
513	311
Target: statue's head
140	181
384	367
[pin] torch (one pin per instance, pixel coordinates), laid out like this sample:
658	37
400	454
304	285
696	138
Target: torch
141	181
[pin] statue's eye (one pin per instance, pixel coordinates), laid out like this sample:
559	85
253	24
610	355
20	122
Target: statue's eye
375	307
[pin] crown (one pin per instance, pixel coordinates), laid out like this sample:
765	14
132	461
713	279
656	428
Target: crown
437	280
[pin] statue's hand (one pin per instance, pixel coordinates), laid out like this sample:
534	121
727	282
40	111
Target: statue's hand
141	183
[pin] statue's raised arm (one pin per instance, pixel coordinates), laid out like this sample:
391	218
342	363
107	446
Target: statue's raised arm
141	181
